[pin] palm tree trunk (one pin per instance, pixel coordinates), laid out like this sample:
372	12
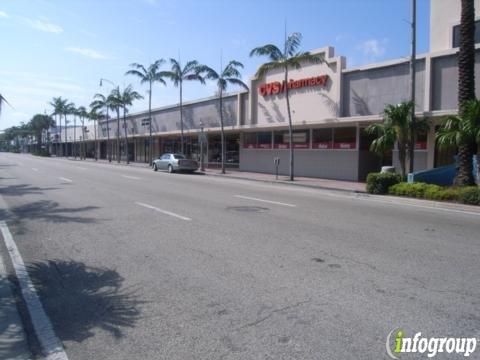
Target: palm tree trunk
465	166
466	85
59	133
65	144
150	145
125	130
222	133
109	153
118	135
402	157
290	127
74	137
95	150
181	118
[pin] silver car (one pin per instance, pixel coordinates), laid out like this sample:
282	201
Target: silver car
174	162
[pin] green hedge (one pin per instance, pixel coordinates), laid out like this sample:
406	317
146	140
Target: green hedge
466	195
41	152
378	183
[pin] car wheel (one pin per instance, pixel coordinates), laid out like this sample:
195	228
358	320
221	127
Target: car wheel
170	169
155	168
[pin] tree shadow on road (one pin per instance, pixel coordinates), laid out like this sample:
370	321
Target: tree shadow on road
49	211
80	299
23	189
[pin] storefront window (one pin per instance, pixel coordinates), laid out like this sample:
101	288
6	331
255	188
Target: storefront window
231	149
250	140
301	139
344	138
264	140
421	143
322	139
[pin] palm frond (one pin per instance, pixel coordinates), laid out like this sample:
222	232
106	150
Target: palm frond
292	43
237	82
266	67
270	50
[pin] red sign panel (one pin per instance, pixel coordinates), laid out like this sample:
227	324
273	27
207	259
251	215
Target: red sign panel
277	87
323	145
421	145
344	145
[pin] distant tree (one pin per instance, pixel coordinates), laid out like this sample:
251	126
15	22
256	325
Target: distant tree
59	106
82	114
127	97
38	124
94	115
228	75
177	74
99	103
115	104
290	57
149	75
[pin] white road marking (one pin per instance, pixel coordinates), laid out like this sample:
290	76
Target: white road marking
34	169
65	179
162	211
131	177
265	201
51	345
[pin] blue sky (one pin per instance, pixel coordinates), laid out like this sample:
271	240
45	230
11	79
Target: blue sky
63	47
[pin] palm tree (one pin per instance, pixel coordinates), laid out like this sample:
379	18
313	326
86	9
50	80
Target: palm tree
288	58
127	97
82	114
149	75
102	102
458	131
3	100
396	127
69	109
228	75
115	103
466	87
177	74
59	106
94	115
39	123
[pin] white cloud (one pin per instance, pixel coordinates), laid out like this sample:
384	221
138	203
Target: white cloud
3	14
373	48
90	53
44	25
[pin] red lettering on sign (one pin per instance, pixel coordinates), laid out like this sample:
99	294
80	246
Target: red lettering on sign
276	87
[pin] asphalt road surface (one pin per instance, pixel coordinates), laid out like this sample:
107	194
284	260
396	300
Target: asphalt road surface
133	264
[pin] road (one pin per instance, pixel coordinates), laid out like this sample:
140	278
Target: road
133	264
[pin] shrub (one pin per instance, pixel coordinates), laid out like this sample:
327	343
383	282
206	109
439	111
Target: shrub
41	152
418	190
469	195
378	183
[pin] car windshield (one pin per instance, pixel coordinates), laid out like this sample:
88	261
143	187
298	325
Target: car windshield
178	156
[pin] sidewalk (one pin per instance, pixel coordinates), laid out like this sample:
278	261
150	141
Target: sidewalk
319	183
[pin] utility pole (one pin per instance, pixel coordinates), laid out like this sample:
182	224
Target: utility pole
412	83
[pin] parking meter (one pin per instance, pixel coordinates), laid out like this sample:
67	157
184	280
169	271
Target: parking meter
276	161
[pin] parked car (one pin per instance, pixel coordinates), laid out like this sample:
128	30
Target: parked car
174	162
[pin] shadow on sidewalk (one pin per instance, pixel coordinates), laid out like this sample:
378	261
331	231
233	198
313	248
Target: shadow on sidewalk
80	299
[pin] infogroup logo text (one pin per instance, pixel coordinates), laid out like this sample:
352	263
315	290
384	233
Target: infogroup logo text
429	346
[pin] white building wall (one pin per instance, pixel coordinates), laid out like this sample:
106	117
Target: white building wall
444	14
